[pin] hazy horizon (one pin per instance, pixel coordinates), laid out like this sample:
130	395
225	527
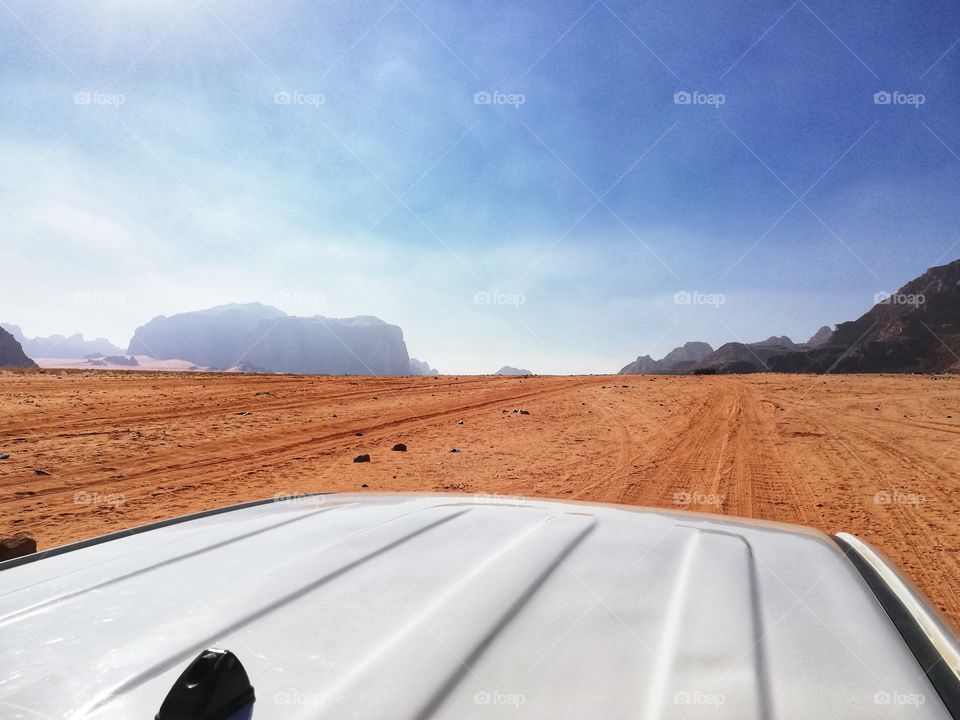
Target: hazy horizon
531	184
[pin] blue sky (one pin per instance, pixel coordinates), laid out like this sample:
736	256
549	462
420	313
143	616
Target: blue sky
151	165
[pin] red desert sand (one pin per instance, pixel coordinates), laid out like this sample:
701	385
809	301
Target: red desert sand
91	452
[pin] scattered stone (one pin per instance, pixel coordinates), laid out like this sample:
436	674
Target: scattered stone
244	413
362	458
399	447
39	471
524	412
17	546
459	422
454	449
364	485
359	434
4	456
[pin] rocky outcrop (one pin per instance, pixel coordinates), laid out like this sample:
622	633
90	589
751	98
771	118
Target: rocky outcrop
689	352
774	341
419	367
676	362
509	370
61	346
643	365
122	360
319	345
917	329
11	353
737	357
267	339
216	337
821	337
245	367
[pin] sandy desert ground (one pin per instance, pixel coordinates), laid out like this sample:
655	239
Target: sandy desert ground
874	455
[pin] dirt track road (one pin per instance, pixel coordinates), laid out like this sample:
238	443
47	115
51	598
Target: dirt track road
873	455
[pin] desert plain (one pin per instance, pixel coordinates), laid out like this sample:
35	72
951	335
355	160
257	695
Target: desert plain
92	452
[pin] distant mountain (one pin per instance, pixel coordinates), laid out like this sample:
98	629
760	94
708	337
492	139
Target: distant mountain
643	365
419	367
216	337
61	346
738	357
690	352
244	367
916	329
508	370
774	341
821	337
676	362
267	339
11	353
351	346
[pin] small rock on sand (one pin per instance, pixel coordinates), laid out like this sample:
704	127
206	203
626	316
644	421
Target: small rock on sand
362	458
17	546
399	447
